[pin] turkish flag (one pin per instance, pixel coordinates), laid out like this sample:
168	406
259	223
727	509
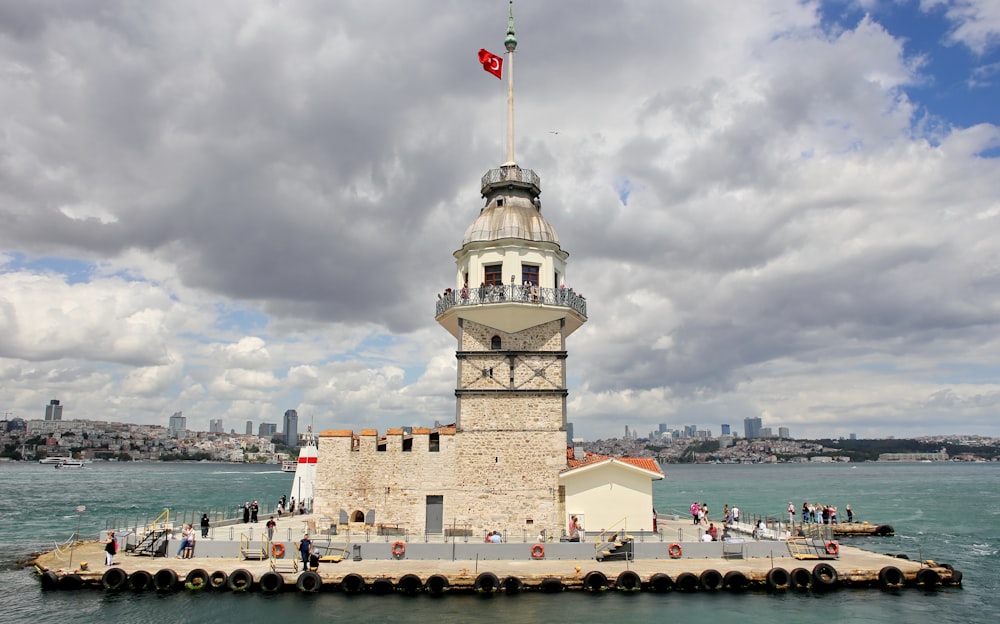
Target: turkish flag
491	63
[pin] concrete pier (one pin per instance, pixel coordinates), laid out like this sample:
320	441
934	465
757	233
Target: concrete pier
388	563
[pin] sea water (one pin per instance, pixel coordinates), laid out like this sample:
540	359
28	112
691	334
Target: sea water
949	512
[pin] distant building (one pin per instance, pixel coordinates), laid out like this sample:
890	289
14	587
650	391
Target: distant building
663	428
751	428
266	430
177	426
569	434
783	432
725	430
765	432
53	411
690	431
291	428
854	436
249	427
215	425
16	424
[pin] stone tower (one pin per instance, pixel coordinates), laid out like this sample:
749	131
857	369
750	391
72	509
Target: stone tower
511	312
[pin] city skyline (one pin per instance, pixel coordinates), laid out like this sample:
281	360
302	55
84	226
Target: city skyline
776	210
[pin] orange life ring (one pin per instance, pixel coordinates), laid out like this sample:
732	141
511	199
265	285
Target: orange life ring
278	549
537	551
675	550
832	548
398	548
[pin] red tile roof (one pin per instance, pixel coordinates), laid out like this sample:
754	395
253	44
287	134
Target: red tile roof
645	463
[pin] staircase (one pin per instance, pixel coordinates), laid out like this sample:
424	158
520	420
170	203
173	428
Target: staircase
617	547
802	548
152	544
250	552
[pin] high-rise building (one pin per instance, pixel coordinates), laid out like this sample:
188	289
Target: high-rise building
783	432
249	427
765	432
266	429
569	434
177	426
690	431
291	428
725	430
215	425
53	411
854	436
751	428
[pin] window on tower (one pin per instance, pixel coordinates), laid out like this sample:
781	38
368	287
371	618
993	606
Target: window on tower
495	344
494	275
529	274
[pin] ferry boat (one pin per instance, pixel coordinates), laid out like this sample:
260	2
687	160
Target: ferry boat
289	465
70	463
52	460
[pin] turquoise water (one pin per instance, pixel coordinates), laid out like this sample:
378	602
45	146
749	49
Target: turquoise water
947	512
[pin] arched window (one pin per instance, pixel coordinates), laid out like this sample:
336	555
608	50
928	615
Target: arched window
495	343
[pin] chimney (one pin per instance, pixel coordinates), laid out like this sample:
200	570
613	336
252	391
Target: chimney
578	453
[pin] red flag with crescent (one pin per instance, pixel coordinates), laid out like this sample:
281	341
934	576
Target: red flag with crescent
491	62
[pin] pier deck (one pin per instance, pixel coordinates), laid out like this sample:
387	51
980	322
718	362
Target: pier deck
484	567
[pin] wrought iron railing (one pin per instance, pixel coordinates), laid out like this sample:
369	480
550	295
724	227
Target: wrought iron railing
512	293
511	174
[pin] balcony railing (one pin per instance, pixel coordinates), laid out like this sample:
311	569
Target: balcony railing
500	293
511	174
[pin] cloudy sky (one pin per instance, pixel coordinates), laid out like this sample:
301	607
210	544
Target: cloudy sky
776	208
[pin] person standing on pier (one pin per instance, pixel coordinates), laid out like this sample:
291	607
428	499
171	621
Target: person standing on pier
246	512
254	509
204	525
850	513
305	547
110	548
271	524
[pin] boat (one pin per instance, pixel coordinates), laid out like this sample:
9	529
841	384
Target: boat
52	460
70	463
289	465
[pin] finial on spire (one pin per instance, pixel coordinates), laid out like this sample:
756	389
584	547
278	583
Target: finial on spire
511	41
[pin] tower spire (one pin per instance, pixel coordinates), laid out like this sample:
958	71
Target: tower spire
510	43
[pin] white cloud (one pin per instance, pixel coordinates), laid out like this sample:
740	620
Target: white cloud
269	196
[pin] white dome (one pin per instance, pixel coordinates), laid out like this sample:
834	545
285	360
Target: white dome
515	217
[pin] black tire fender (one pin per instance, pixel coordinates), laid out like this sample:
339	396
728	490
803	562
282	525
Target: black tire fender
140	581
271	582
352	584
114	579
710	580
196	579
660	583
239	580
595	581
801	578
512	585
926	578
890	577
218	580
825	576
486	583
778	578
437	584
628	581
165	580
551	585
686	582
735	581
410	584
309	582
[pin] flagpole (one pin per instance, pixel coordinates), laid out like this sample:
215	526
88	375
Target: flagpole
510	43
